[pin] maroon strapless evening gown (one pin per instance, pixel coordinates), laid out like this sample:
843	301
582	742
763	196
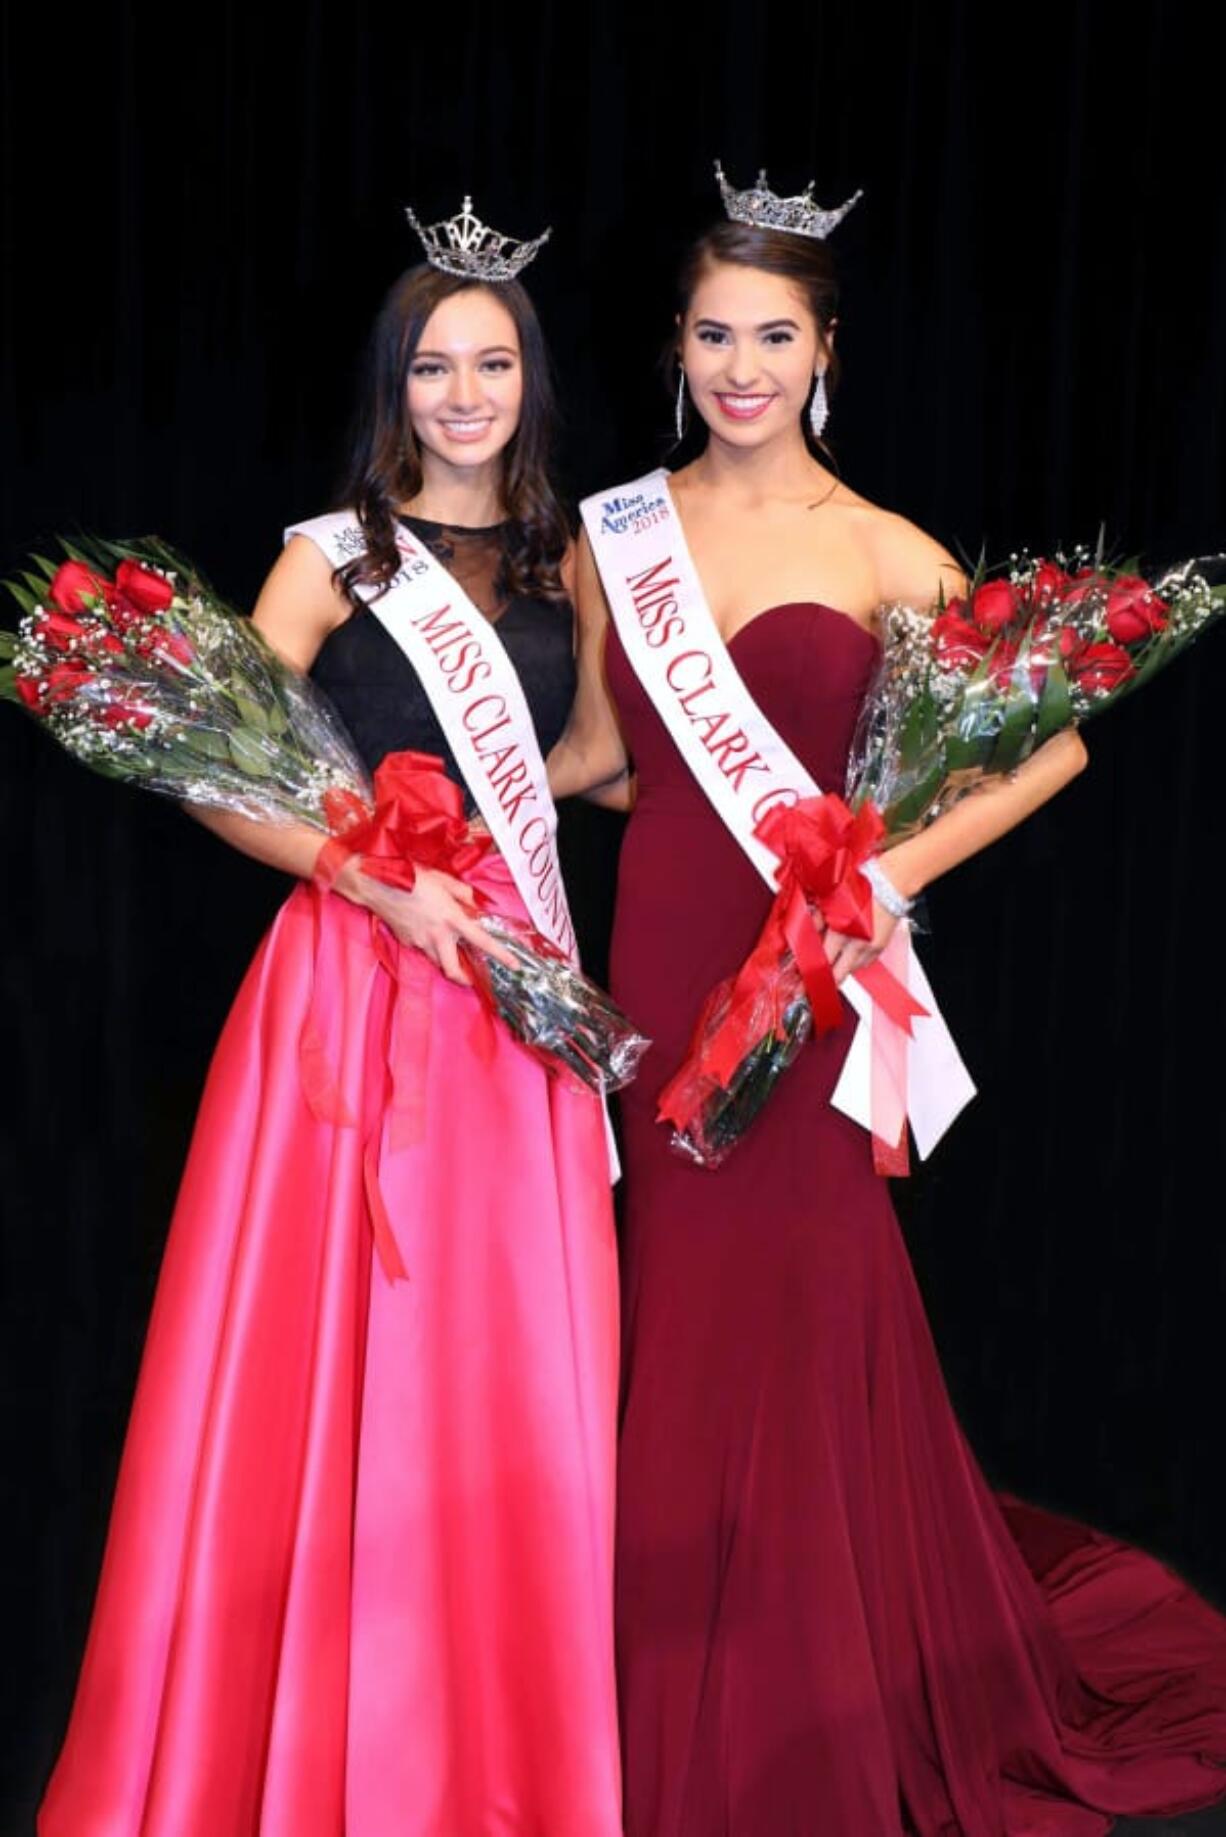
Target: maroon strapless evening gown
826	1625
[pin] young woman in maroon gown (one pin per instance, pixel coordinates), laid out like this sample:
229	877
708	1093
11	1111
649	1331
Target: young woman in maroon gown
825	1623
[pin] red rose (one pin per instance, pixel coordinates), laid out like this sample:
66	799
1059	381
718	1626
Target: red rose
1099	668
74	583
66	678
1079	588
124	616
959	644
142	589
100	644
1004	660
994	605
125	714
174	645
58	630
29	691
1048	582
1134	610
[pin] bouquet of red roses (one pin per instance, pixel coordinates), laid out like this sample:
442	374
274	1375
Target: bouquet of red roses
959	699
134	665
966	696
128	659
753	1024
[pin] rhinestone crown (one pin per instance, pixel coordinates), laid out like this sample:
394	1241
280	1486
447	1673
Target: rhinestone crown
464	246
763	210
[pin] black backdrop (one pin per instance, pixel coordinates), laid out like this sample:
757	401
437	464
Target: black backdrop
200	213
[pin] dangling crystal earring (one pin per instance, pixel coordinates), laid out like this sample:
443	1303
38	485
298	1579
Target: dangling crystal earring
679	408
819	406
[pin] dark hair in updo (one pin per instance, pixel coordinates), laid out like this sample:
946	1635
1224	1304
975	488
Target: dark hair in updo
384	464
804	260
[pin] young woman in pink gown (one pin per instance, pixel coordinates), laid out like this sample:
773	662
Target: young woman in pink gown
826	1624
358	1580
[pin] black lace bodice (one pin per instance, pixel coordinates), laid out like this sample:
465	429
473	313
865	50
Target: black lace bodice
378	694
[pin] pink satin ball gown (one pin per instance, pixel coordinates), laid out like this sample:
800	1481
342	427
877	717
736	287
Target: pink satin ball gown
358	1581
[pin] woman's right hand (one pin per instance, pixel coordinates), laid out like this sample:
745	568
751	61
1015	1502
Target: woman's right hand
434	917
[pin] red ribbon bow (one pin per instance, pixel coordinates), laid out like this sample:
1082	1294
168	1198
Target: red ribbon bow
418	821
820	845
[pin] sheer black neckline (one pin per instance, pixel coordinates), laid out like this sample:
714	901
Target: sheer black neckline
431	527
378	693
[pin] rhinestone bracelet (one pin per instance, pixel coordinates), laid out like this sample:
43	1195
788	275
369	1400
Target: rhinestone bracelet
884	891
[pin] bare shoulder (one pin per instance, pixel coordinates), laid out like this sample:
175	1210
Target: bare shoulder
908	563
299	603
304	564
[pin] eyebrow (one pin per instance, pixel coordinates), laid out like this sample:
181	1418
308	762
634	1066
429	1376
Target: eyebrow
768	325
491	350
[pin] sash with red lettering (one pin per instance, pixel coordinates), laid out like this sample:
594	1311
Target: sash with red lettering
481	707
746	770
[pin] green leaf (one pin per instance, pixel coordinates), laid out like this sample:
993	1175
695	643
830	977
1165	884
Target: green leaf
970	746
249	756
920	730
176	756
251	712
207	742
24	598
974	570
963	752
123	771
1013	740
8	683
914	806
1055	704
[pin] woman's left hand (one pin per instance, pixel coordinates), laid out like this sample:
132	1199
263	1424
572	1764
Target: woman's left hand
845	954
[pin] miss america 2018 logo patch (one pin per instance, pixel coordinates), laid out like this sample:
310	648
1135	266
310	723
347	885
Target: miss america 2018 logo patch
630	513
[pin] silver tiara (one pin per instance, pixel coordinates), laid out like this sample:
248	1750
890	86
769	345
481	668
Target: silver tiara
464	246
763	210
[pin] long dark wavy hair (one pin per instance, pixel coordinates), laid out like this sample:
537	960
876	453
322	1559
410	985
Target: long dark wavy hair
384	465
804	260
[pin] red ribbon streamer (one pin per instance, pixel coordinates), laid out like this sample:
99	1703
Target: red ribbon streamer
821	845
418	821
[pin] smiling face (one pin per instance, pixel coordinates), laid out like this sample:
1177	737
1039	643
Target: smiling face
465	383
750	346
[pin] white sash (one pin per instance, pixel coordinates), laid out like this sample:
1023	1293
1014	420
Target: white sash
474	690
741	764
